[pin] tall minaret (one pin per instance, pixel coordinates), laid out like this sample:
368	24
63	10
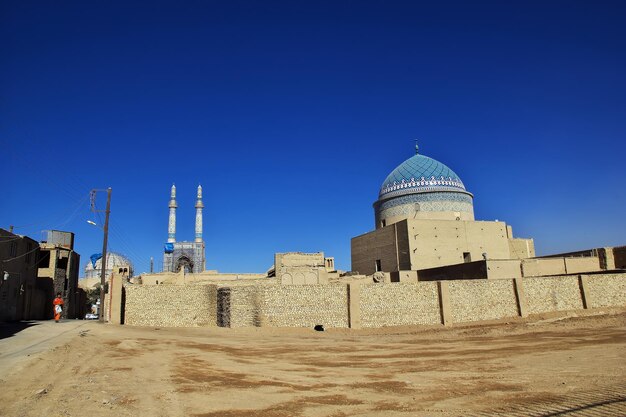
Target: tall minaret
199	207
171	228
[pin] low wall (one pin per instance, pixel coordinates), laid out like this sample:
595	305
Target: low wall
468	270
544	266
619	256
368	305
580	265
606	290
239	306
283	306
552	294
482	300
305	305
399	304
504	268
170	305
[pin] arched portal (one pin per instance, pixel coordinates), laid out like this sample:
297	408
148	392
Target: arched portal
184	263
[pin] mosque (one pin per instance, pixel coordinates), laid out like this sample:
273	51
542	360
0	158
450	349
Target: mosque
428	261
424	230
424	218
186	256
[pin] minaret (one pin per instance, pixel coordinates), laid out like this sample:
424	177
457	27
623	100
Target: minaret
199	207
171	228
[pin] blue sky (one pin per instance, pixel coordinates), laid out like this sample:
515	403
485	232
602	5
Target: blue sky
291	114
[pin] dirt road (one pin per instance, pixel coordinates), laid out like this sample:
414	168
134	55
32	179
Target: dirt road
18	341
545	366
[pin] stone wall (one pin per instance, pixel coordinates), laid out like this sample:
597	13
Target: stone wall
482	300
305	305
552	294
171	305
606	290
239	306
399	304
368	305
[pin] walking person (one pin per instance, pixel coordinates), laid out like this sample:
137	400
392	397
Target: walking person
58	307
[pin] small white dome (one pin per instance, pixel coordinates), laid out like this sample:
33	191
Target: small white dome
114	260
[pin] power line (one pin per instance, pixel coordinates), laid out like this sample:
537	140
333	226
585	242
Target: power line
20	256
58	221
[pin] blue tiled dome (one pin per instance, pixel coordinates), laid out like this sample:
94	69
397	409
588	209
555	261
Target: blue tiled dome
420	174
422	188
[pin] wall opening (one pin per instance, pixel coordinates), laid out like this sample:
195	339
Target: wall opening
378	266
62	263
44	259
467	257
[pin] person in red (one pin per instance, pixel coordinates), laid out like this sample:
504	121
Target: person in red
58	307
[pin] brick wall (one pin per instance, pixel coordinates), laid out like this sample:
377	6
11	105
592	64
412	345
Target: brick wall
399	304
171	305
482	300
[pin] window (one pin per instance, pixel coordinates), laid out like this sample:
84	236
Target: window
44	259
378	265
383	223
62	263
467	257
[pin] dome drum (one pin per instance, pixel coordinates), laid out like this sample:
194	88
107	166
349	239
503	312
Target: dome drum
434	206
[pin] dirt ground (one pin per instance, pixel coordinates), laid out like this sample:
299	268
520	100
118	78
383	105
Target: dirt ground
550	365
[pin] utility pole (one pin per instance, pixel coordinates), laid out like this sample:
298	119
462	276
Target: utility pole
103	263
104	254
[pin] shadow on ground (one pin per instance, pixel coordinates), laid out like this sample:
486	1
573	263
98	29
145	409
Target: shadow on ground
11	329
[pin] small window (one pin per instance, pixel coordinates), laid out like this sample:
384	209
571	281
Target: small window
383	223
467	257
62	263
44	259
378	265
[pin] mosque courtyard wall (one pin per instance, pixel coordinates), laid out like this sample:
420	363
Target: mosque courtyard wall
367	305
170	305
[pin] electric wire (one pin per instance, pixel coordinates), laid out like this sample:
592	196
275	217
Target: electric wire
56	222
116	238
125	242
20	256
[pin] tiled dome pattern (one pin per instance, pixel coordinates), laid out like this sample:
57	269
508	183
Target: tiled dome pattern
420	174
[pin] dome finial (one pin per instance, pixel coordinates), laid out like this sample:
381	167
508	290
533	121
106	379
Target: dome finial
417	148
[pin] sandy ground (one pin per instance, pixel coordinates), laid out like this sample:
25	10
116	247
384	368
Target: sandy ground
550	365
